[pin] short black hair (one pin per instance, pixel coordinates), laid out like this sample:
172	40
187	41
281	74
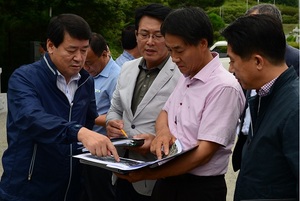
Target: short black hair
128	38
72	24
260	33
98	44
191	24
154	10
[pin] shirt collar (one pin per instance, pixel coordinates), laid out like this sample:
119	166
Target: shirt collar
73	78
106	70
208	69
265	89
142	64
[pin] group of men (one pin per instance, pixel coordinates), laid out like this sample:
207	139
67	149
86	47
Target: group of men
176	89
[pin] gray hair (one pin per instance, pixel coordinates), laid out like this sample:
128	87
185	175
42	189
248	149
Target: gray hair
268	9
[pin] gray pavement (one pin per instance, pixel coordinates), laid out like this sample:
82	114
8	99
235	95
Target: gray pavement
230	176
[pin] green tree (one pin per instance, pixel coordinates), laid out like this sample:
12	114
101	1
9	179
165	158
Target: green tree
294	3
217	24
22	21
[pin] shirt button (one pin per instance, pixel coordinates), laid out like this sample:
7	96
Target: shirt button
133	126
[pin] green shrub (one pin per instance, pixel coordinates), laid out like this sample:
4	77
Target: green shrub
216	21
287	19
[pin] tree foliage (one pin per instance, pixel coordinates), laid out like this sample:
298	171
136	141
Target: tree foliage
23	21
200	3
283	2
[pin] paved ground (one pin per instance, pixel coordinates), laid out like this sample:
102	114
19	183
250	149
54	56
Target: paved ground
3	113
230	176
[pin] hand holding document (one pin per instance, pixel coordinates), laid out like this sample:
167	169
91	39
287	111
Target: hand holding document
122	142
127	164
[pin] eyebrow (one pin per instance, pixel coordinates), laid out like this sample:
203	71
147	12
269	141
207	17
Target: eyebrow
176	47
144	30
76	47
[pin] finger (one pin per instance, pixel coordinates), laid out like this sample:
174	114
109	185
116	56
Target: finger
153	145
118	124
93	152
98	153
153	148
113	151
103	151
166	146
173	139
159	150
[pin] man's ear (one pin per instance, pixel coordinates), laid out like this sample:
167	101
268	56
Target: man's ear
50	46
259	62
203	43
104	53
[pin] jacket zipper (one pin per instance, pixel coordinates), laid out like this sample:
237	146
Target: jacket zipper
257	112
71	161
258	107
32	162
71	152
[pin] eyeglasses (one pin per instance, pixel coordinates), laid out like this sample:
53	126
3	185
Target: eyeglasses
145	36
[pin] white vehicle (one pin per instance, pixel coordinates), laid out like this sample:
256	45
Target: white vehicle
221	48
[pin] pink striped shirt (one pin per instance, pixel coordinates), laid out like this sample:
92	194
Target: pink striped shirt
207	107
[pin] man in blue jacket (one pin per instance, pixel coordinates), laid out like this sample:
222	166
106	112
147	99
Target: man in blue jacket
51	107
270	157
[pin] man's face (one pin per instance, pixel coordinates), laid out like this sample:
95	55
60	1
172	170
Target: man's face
94	64
69	56
189	59
151	43
244	70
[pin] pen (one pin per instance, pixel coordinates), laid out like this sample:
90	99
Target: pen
124	133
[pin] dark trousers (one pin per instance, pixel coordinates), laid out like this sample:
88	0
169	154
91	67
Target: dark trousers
189	187
126	192
97	184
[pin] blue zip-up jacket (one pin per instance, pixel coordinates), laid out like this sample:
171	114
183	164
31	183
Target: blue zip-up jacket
42	129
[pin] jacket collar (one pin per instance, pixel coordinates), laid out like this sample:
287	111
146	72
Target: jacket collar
51	66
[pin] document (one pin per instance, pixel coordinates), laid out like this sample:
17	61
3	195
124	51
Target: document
127	164
121	142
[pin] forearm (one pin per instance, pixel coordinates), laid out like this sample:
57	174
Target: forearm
178	166
100	120
163	138
162	125
186	162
